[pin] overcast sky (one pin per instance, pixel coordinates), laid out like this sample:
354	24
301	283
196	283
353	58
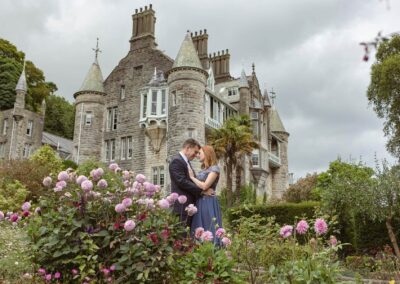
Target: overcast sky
307	50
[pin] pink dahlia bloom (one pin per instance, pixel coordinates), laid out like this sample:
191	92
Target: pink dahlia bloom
26	206
48	277
226	241
198	232
63	176
61	184
333	241
191	209
1	215
81	179
99	172
113	166
302	227
140	178
47	181
87	185
206	236
14	217
129	225
112	267
182	199
102	183
127	202
74	271
174	196
57	275
220	232
286	231
120	208
163	203
149	203
320	226
42	271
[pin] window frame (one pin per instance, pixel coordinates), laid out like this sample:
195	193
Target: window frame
5	126
29	128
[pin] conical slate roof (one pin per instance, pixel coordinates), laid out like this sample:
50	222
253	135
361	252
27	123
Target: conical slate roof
243	83
276	122
187	55
267	103
21	85
93	80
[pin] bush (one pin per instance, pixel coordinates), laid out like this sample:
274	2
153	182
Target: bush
12	194
66	164
27	172
46	157
302	190
284	213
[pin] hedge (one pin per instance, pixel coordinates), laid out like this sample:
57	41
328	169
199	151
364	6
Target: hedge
284	213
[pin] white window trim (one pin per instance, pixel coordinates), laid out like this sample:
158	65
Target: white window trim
149	103
256	152
30	128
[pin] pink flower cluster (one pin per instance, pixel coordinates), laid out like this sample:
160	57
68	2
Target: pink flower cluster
286	231
48	276
302	227
320	228
191	209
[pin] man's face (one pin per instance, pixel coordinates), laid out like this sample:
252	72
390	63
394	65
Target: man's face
192	152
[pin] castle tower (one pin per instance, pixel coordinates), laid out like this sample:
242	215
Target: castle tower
89	109
187	83
200	41
244	90
21	90
279	148
143	27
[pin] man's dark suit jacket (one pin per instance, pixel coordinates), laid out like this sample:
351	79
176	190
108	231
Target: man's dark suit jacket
183	185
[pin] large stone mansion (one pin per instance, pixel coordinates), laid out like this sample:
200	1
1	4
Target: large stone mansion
140	115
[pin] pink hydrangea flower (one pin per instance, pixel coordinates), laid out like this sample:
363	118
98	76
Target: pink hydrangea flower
182	199
127	202
157	188
149	203
63	176
163	203
47	181
118	169
113	166
87	185
42	271
174	196
57	189
120	208
61	184
26	206
320	226
129	225
198	232
206	236
125	175
302	227
48	277
102	183
286	231
226	241
81	179
140	178
220	232
1	215
191	209
99	172
57	275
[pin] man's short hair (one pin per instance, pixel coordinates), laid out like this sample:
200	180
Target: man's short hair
191	143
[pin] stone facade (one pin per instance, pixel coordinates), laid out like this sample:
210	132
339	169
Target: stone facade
150	104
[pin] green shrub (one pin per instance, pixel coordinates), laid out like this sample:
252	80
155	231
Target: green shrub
12	194
47	157
66	164
284	213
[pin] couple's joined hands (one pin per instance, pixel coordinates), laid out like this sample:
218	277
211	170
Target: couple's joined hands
208	191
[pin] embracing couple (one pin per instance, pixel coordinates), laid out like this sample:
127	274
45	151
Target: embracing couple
198	188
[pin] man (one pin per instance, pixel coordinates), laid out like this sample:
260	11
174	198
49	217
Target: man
180	179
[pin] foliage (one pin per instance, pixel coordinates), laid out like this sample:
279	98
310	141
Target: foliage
66	164
47	157
205	263
15	254
60	116
232	142
284	213
303	190
27	172
248	195
12	194
384	89
11	65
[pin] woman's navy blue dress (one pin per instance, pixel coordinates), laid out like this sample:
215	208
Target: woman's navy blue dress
208	214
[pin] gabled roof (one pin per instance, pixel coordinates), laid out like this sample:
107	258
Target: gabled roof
93	80
187	55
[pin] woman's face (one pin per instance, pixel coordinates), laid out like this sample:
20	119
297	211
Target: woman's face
201	155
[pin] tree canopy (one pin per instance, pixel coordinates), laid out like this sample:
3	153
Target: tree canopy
384	91
60	116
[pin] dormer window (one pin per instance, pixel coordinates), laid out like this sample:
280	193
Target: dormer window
232	92
154	103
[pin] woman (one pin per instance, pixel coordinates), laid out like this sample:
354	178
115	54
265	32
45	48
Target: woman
209	212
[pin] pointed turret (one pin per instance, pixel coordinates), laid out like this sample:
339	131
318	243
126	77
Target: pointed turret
243	83
276	122
21	89
267	103
187	55
244	92
93	81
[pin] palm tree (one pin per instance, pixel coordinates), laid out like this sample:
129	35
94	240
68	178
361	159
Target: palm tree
232	142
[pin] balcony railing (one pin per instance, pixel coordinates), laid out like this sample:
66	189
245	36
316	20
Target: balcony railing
213	123
274	161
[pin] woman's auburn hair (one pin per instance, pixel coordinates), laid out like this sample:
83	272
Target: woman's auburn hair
210	158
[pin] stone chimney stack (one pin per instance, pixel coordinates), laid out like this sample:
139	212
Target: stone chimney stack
200	41
220	65
143	27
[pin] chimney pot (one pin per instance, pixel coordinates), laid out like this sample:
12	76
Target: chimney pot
218	53
141	9
223	52
227	51
201	32
195	33
205	31
145	8
136	10
214	54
